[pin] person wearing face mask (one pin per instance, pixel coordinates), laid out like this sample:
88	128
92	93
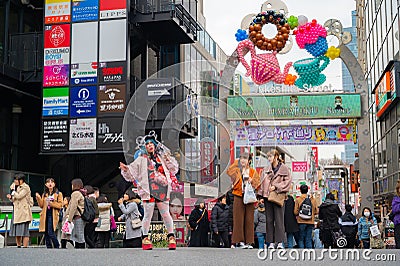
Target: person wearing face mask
242	175
365	222
20	196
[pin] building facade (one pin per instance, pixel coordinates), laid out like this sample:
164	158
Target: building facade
348	156
162	34
378	50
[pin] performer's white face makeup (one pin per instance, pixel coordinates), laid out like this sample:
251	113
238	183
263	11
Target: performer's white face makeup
150	147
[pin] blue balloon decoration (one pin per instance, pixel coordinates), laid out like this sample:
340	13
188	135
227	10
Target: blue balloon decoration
241	35
318	48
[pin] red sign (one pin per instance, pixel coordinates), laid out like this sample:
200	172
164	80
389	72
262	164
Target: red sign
299	166
207	158
56	36
353	180
315	153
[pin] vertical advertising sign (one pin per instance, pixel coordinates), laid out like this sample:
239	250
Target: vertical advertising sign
57	11
109	134
207	157
83	101
314	151
112	99
82	134
55	102
112	9
85	10
55	135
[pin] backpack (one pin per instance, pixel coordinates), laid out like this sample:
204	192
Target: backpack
89	212
305	212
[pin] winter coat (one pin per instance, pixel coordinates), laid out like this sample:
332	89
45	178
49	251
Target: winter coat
220	218
130	211
297	205
363	226
396	210
348	224
92	198
260	220
55	205
199	236
138	170
281	180
229	202
291	225
235	173
22	207
103	224
76	204
329	213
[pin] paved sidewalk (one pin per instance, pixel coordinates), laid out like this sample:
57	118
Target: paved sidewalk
189	256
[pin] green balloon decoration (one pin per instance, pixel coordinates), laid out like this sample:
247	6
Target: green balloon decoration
293	22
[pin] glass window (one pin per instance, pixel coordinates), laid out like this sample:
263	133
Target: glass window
379	25
390	44
396	39
2	29
388	14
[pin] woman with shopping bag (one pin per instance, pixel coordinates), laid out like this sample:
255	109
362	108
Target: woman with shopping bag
245	180
276	181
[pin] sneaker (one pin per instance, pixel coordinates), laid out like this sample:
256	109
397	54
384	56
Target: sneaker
171	243
146	244
242	245
233	246
271	245
280	246
249	246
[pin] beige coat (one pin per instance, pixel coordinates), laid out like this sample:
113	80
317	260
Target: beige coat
281	180
56	205
22	208
138	170
77	201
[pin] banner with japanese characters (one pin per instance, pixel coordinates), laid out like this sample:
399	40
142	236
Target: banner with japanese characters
82	134
109	133
292	135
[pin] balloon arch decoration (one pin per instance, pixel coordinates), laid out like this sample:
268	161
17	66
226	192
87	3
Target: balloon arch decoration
264	67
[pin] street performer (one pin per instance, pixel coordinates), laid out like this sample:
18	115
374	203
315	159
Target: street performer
154	172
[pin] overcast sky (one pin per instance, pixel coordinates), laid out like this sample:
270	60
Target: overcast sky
223	19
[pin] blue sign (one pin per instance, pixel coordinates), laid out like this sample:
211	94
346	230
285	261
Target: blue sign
83	101
85	10
83	81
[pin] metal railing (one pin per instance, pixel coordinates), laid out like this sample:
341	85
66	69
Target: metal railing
26	51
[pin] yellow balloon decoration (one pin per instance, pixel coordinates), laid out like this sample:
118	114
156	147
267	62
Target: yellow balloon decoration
333	52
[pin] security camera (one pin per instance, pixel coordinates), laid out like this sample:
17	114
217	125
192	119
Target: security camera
25	2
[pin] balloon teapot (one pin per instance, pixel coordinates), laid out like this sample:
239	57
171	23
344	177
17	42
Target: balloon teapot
263	68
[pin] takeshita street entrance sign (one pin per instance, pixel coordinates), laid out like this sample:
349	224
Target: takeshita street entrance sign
264	67
288	107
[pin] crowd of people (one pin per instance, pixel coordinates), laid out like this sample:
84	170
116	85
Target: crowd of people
257	212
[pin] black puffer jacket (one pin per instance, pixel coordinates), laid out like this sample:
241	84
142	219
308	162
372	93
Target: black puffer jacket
291	225
220	218
348	224
329	213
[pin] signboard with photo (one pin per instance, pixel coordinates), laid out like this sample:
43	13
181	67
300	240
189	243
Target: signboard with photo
112	99
82	134
55	101
83	101
112	72
85	10
109	133
57	11
54	135
84	73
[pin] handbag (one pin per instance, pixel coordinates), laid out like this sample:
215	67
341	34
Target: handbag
197	223
136	223
249	195
113	224
277	198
